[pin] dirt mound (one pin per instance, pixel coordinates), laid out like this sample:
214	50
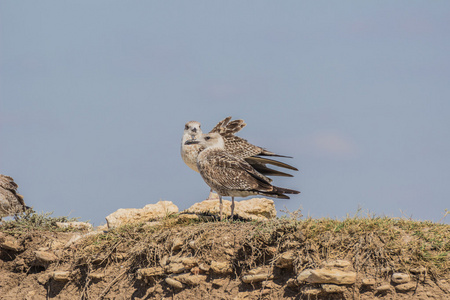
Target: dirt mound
177	258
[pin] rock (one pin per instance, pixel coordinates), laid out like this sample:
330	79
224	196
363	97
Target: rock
255	209
190	279
304	275
339	263
311	292
421	273
220	281
292	283
76	238
272	285
286	260
75	225
400	278
204	268
73	240
256	278
175	268
192	245
384	288
134	215
56	245
174	283
221	267
177	243
189	262
188	217
10	243
229	252
96	276
418	270
261	270
44	258
332	288
103	227
150	272
405	287
43	279
195	270
368	281
19	265
331	276
61	276
164	260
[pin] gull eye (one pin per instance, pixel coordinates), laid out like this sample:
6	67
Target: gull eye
186	127
207	138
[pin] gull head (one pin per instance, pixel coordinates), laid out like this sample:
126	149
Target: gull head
193	129
209	140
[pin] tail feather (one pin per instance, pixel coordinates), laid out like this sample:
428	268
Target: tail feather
264	161
265	152
284	190
278	192
279	196
261	168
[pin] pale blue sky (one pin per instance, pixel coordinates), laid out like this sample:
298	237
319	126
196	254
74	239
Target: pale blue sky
94	96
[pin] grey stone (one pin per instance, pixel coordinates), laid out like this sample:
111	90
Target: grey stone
400	278
174	283
331	276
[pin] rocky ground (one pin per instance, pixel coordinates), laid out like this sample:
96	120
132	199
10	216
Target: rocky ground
189	256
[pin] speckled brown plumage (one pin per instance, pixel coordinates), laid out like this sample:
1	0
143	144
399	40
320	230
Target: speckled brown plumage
232	176
229	175
226	128
234	145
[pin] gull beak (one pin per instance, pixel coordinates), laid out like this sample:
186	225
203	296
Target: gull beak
191	142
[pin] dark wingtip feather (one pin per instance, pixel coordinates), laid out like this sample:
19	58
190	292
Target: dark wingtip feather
285	191
264	161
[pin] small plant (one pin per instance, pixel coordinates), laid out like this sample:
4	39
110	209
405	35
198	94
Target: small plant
295	215
31	220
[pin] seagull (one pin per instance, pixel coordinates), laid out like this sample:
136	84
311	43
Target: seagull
234	145
229	175
10	201
193	128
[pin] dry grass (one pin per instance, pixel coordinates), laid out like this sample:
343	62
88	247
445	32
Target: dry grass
30	221
375	245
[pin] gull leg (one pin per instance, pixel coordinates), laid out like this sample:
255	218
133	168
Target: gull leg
232	208
211	195
220	207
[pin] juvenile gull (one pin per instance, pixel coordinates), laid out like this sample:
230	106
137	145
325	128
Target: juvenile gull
234	145
192	129
10	201
229	175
